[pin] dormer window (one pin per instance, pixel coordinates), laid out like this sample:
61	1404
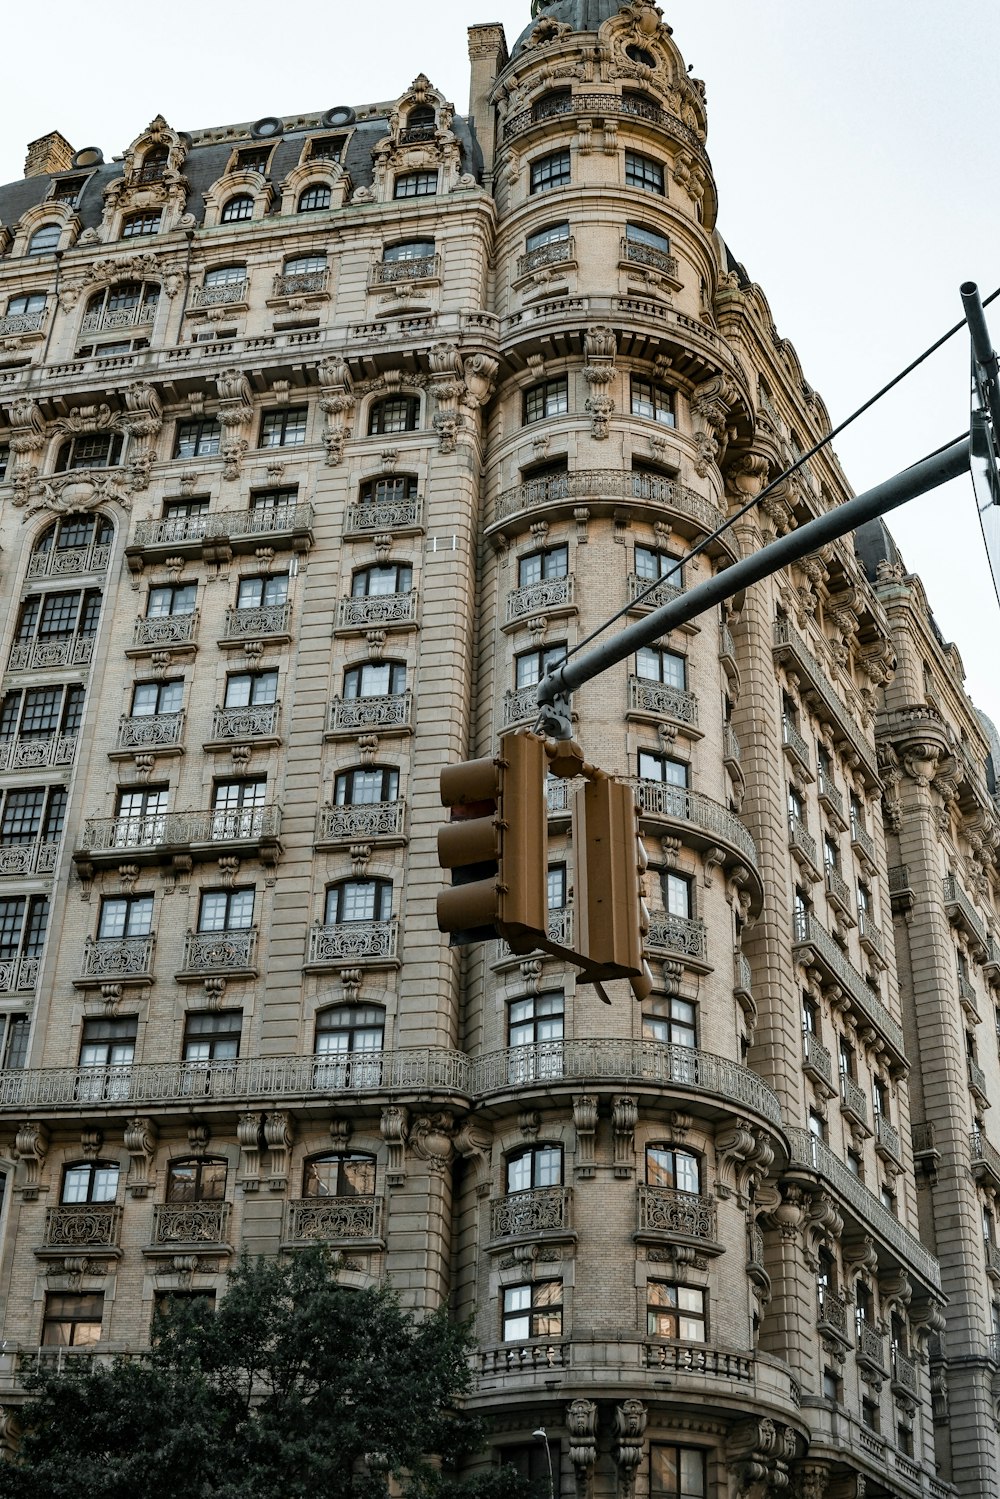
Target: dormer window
255	159
45	239
421	124
68	190
328	148
137	225
154	165
238	209
316	197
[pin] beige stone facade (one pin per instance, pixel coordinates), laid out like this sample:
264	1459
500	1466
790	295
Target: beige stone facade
319	438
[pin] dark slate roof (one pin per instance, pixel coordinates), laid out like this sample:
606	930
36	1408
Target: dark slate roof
873	544
206	163
581	15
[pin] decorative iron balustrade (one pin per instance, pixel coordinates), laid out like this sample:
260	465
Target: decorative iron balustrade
808	1152
727	644
966	992
650	257
887	1141
220	952
686	1214
18	975
369	519
658	799
958	907
165	630
301	284
150	730
789	644
838	890
832	1311
991	962
256	721
870	936
520	706
22	322
558	793
985	1155
659	593
219	296
358	714
559	252
190	1223
84	1225
118	957
420	268
266	619
361	821
794	742
609	107
44	655
559	927
816	1057
904	1371
535	598
351	941
227	525
863	843
828	793
809	932
544	1209
870	1344
244	1079
731	744
977	1079
663	700
686	936
230	825
377	609
624	1061
743	972
119	317
68	562
685	1358
332	1220
610	484
19	859
38	754
853	1100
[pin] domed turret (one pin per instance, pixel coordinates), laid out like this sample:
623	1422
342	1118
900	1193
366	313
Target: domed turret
578	15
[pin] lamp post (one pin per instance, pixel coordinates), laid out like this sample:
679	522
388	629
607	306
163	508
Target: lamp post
541	1435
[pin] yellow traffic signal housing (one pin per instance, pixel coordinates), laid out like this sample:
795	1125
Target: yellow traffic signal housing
496	847
610	862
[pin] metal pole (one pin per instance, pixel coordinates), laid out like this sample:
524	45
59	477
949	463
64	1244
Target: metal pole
983	350
543	1435
924	476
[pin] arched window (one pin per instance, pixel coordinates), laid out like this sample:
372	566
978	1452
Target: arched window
640	55
154	164
128	304
200	1179
315	197
358	900
375	679
394	414
238	209
90	1181
223	283
421	123
45	239
340	1175
672	1168
389	489
75	543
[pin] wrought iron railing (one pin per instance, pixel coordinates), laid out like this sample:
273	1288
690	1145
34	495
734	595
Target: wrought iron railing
165	630
744	973
535	598
69	561
358	714
793	740
219	296
150	730
608	106
853	1099
361	821
20	859
558	252
18	975
658	799
377	609
959	906
650	257
301	283
816	1056
685	936
787	642
887	1141
731	744
257	721
228	825
832	1310
977	1079
225	525
612	484
838	889
870	1343
331	1220
83	1225
863	842
801	840
38	754
190	1223
544	1209
420	268
21	322
265	619
654	594
372	517
220	952
828	793
870	935
685	1214
118	957
665	701
44	655
904	1371
353	941
519	706
807	930
119	317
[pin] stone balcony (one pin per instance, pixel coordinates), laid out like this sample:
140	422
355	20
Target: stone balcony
393	272
795	747
684	937
164	632
832	1315
265	622
351	716
116	960
703	822
603	491
803	847
540	1213
872	939
87	1226
257	721
333	1220
561	252
161	732
831	799
863	845
666	1215
853	1103
216	537
705	1371
813	943
391	517
51	655
22	860
55	751
229	954
253	832
551	596
887	1142
178	1225
69	562
371	944
598	107
817	1063
384	611
650	593
362	822
649	259
791	650
658	700
18	975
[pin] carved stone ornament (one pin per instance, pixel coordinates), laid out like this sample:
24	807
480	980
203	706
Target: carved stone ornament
279	1133
140	1142
394	1127
581	1423
431	1139
69	493
630	1427
758	1454
249	1132
624	1118
585	1121
743	1155
31	1145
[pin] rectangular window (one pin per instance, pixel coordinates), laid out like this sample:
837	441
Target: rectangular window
416	185
198	439
655	665
672	1022
226	910
538	566
15	1044
21	306
654	767
178	598
251	689
4	460
556	887
677	1472
284	429
212	1035
677	892
644	173
150	698
532	1311
137	224
22	926
652	563
271	502
653	402
125	916
257	593
551	171
674	1311
72	1320
553	234
532	666
550	398
108	1043
530	1460
536	1020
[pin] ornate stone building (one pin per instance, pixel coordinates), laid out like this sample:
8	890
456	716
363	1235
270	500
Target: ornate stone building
320	438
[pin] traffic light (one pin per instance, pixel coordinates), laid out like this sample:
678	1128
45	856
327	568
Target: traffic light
496	847
610	861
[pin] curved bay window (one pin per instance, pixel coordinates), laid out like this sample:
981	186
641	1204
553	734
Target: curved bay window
340	1175
41	713
75	543
347	1037
395	414
674	1169
201	1179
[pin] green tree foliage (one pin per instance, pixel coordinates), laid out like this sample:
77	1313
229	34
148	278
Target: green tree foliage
295	1388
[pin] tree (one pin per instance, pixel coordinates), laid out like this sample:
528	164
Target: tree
295	1388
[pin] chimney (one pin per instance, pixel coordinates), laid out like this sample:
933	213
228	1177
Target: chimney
50	153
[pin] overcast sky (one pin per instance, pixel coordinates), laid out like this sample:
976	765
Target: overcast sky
854	143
